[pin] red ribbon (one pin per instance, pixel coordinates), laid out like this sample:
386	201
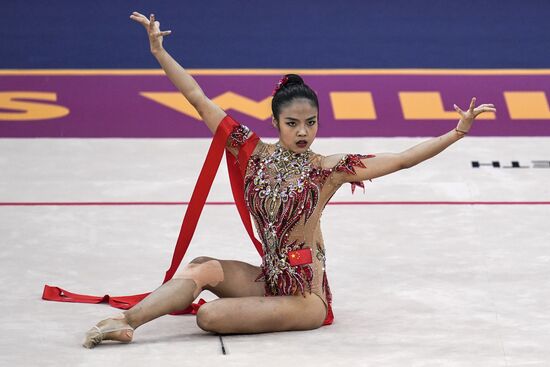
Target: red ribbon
208	172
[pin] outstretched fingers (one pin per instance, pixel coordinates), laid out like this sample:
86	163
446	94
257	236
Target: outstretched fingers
151	22
161	34
154	28
140	18
472	104
484	108
486	105
474	111
139	14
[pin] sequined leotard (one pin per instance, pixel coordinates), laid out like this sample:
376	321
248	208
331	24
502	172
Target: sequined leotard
285	193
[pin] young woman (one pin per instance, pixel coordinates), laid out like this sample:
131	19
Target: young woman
286	187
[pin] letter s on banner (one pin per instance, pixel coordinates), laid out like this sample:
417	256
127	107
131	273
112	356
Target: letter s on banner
24	106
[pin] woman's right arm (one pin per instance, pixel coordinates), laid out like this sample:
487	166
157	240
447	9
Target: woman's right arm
210	113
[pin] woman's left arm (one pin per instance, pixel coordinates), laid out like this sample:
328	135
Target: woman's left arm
386	163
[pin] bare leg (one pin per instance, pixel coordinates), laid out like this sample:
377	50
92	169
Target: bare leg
174	295
262	314
178	294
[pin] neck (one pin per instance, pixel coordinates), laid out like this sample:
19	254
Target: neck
283	147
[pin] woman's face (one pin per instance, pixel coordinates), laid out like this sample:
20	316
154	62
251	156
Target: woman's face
297	125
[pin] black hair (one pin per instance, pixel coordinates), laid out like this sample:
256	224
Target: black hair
291	87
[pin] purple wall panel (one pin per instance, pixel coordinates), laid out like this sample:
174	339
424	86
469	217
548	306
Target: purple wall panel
111	106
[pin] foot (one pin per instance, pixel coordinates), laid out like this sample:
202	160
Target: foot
114	328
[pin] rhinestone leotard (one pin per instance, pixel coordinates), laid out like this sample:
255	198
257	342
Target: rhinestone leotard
285	193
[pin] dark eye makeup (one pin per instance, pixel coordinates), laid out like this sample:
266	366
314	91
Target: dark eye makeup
293	123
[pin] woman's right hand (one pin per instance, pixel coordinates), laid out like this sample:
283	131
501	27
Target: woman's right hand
153	30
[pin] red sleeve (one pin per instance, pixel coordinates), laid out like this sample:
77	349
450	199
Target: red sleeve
345	170
241	142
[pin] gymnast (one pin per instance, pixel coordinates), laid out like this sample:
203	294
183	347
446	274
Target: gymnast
286	187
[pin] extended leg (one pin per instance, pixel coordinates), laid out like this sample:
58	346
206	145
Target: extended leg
174	295
225	278
177	293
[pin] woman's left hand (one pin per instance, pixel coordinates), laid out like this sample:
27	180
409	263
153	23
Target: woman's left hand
467	117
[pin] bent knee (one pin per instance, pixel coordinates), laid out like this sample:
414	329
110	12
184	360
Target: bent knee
201	259
312	314
207	319
204	271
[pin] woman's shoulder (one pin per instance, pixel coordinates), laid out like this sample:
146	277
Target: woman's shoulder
343	162
329	162
263	148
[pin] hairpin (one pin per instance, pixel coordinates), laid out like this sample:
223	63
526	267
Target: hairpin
280	84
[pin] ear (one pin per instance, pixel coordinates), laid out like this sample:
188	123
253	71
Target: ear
275	123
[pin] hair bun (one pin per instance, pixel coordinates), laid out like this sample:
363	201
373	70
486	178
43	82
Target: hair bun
294	79
287	81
